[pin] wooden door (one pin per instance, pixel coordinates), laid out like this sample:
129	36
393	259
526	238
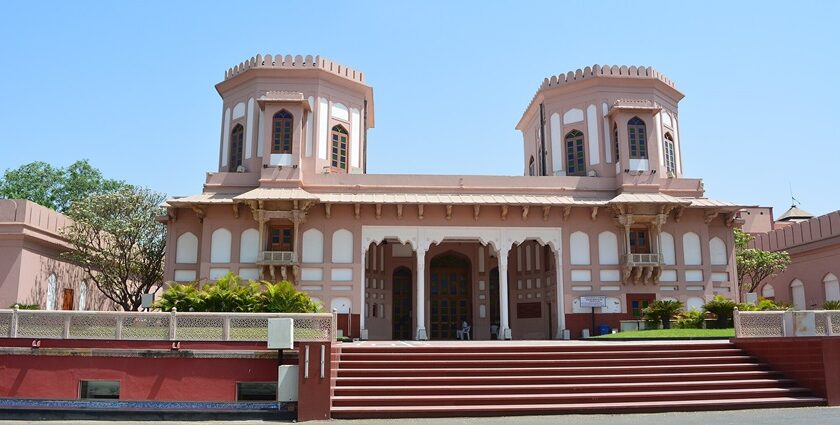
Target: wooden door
67	299
639	241
281	238
449	279
401	317
638	302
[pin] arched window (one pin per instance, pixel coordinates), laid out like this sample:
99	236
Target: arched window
339	147
832	287
797	292
615	141
281	128
670	156
636	136
236	138
574	154
82	295
51	291
531	167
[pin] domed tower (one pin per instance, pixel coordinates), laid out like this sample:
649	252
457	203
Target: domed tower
603	121
284	117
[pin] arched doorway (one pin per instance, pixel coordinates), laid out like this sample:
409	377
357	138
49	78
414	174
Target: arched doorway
401	311
450	287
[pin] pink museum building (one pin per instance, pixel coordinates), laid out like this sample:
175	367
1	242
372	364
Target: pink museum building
602	208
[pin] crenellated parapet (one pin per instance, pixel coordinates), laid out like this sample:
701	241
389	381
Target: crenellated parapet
280	61
608	71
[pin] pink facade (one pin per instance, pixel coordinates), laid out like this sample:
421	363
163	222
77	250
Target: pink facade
814	248
616	217
30	258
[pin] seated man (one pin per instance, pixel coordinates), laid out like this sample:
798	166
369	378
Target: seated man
464	332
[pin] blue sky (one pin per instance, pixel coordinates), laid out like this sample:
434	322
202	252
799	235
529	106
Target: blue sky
129	85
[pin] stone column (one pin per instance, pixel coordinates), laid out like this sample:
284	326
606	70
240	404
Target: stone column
561	293
504	326
421	294
362	301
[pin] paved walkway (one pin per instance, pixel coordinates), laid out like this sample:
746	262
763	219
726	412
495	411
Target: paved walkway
809	415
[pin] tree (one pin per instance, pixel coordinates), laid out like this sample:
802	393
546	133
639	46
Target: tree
53	187
756	265
117	240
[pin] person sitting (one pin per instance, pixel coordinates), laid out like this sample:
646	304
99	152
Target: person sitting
464	332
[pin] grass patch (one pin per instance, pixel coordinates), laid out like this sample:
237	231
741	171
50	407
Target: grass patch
673	333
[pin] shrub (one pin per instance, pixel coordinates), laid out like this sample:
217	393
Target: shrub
283	297
662	311
763	305
184	297
690	320
228	294
832	305
722	308
22	306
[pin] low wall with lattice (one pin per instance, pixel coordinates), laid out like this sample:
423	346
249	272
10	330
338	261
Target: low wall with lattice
770	324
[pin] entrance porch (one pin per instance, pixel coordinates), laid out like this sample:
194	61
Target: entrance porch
463	281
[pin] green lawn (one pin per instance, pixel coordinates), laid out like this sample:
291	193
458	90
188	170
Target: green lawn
673	333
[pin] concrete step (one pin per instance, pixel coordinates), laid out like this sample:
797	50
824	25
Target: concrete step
552	380
387	390
433	370
434	356
513	347
349	412
536	363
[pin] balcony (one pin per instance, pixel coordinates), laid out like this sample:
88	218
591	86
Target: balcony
642	268
277	258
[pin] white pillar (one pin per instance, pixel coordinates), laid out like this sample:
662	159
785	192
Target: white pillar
362	302
561	296
421	294
504	331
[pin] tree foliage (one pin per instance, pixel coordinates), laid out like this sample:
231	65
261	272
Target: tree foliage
117	240
55	187
756	265
229	294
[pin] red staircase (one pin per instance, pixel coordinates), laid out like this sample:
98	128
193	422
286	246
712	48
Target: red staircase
520	379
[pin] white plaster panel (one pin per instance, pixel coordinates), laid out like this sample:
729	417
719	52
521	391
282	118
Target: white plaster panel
341	275
482	311
691	249
610	275
249	129
694	288
576	308
832	287
667	288
694	275
312	288
218	272
355	138
721	291
607	248
581	275
579	248
249	274
666	119
592	126
613	306
281	159
186	249
720	277
226	137
556	145
340	111
657	122
261	134
611	288
249	246
220	246
323	127
185	275
342	247
401	251
239	110
607	134
341	305
572	116
311	274
717	251
637	164
694	304
313	246
342	288
668	276
768	291
308	149
797	290
669	257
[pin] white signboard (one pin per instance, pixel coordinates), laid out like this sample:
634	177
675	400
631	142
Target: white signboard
593	301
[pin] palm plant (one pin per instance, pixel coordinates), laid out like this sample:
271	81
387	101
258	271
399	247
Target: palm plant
282	297
722	308
184	297
832	305
228	294
662	311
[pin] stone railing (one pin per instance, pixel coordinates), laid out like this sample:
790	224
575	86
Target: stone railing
641	259
277	258
769	324
160	326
